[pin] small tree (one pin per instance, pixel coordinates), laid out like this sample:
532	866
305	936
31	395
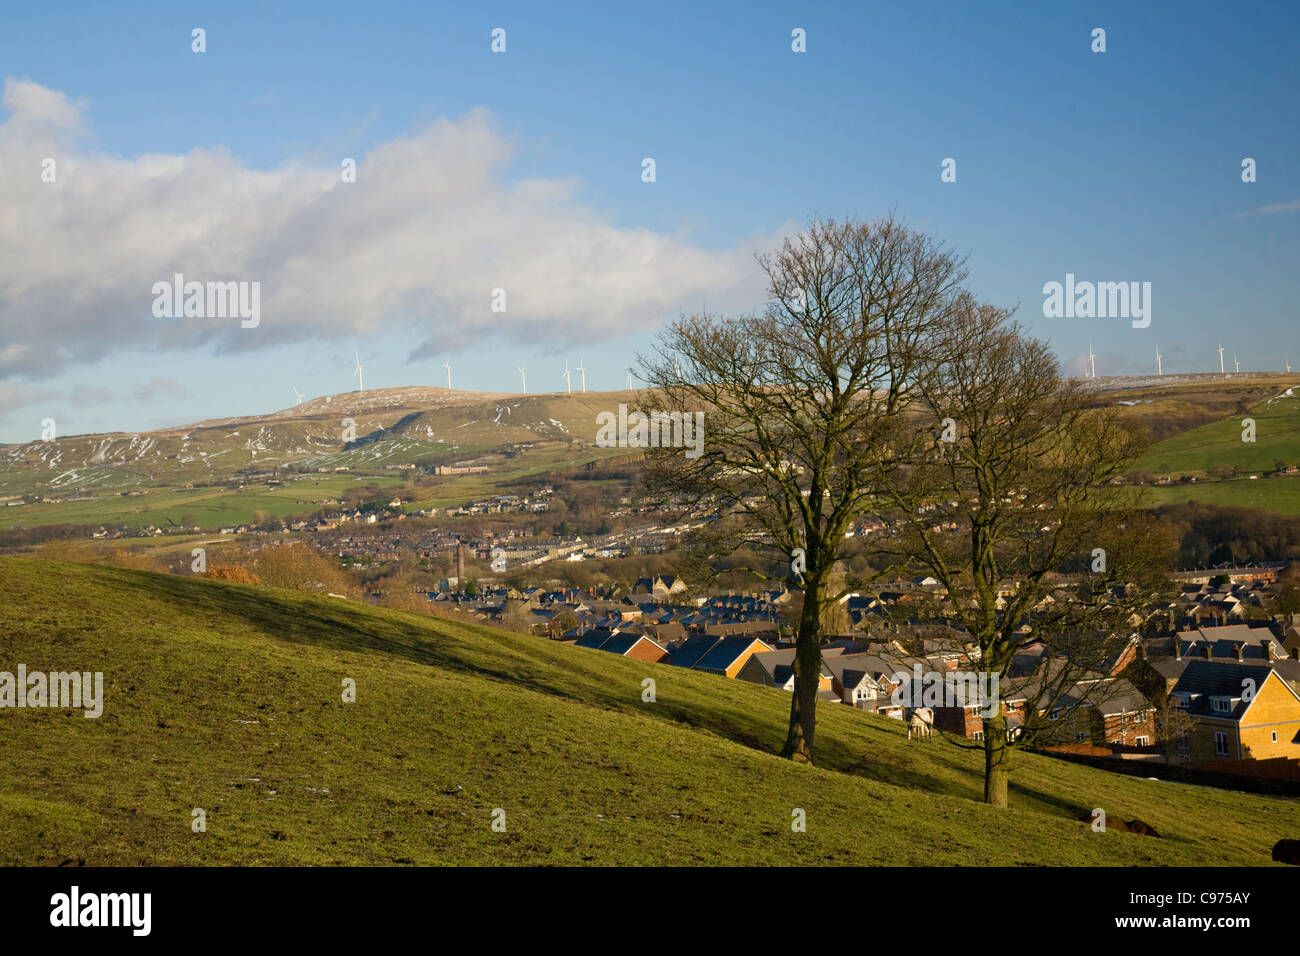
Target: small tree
298	566
1173	726
561	624
517	615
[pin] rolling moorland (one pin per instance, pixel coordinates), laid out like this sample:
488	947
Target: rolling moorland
228	698
203	474
216	473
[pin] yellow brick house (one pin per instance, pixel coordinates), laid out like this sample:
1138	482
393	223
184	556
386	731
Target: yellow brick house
1241	712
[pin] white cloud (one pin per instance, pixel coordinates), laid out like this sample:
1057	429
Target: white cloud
34	107
1292	206
429	229
15	397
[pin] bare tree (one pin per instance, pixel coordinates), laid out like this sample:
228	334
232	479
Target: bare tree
800	403
1174	726
1002	492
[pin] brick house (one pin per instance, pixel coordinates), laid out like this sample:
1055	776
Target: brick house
1102	711
1242	712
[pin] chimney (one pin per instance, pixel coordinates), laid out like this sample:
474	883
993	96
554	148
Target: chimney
460	565
1268	649
1237	649
1178	649
1208	651
1295	653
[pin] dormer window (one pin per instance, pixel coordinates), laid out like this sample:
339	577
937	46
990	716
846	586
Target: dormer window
1180	700
1220	705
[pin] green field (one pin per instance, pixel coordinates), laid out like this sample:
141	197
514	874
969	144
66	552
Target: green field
1275	495
459	489
227	698
1220	445
208	507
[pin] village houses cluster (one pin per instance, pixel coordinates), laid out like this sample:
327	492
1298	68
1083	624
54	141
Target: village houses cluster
1238	682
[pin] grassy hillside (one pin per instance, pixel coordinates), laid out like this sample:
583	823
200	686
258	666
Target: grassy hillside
1219	444
1176	404
227	697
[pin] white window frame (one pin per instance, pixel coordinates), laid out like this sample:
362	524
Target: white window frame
1220	737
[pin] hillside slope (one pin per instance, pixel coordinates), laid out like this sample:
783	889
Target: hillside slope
227	698
1220	444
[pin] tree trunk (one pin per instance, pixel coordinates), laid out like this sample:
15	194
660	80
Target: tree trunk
997	760
807	669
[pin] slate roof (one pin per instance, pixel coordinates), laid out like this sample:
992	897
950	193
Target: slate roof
850	669
1202	680
1109	697
1226	636
596	638
1171	668
689	652
779	664
726	652
622	643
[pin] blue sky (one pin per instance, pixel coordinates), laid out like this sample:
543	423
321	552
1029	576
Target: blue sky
1115	166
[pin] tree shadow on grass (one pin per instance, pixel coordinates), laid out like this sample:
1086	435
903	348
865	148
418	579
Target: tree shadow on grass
453	647
730	710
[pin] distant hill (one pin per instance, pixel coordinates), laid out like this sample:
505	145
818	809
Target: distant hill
410	420
227	698
361	432
1174	404
368	434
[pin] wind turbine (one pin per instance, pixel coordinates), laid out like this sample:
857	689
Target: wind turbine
568	378
1092	362
629	380
1288	365
298	394
583	372
1220	358
1236	365
1159	370
523	381
447	366
360	379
